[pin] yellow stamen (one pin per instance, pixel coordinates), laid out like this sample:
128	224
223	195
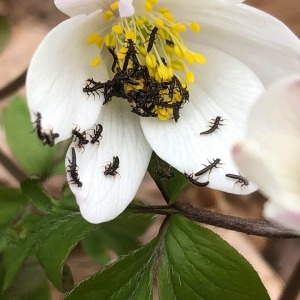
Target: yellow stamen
107	15
118	29
180	27
195	26
190	77
114	5
199	58
169	16
150	60
159	23
130	35
92	38
95	61
148	6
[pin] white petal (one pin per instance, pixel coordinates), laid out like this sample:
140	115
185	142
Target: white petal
126	9
277	110
257	39
273	164
282	216
57	74
224	87
102	198
77	7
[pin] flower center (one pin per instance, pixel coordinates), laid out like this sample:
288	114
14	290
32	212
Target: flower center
150	61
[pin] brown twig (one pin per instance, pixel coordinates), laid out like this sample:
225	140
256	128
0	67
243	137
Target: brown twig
13	86
248	226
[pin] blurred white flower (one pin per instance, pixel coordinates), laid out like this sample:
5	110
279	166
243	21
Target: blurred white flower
172	82
270	154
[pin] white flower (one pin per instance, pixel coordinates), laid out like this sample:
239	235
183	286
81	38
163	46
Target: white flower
270	154
222	70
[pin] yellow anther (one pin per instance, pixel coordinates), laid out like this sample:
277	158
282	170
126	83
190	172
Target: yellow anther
118	29
169	49
177	65
169	16
164	114
115	5
180	27
199	58
107	15
195	26
189	57
162	33
159	23
178	51
190	77
95	61
99	42
142	50
148	6
130	35
153	2
122	52
177	34
92	38
140	22
110	40
171	72
151	60
163	10
163	72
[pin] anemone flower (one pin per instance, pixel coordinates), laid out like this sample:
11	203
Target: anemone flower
127	77
270	154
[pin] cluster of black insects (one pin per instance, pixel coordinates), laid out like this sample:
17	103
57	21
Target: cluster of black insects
81	137
134	83
46	138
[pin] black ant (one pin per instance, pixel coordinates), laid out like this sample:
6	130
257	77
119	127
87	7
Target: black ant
240	179
164	173
111	168
97	134
81	137
190	178
131	52
215	125
73	169
170	43
152	39
212	165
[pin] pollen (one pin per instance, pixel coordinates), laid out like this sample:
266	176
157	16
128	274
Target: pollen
151	66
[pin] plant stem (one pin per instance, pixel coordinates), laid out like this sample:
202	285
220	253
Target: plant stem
245	225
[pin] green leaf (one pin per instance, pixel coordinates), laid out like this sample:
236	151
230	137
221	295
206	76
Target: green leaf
129	278
120	235
4	32
11	203
34	157
197	264
61	231
33	190
187	261
170	188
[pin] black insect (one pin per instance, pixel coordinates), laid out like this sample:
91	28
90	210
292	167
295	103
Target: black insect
212	165
73	169
131	52
111	168
164	173
190	178
97	134
81	137
176	108
170	43
152	39
46	138
239	179
215	125
115	58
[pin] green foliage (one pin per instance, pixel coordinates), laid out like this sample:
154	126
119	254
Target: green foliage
129	278
121	235
11	204
35	193
4	32
170	188
33	156
188	262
